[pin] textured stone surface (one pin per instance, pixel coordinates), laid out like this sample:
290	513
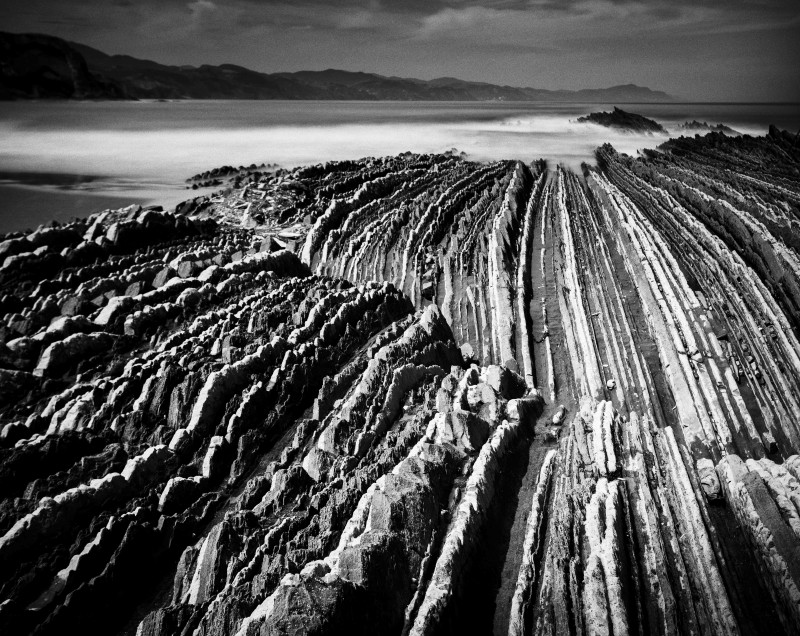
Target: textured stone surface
413	395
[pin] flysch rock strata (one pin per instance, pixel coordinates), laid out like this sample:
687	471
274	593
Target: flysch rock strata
413	395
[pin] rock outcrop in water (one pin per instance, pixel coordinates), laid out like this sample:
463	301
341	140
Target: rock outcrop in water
703	127
624	121
413	395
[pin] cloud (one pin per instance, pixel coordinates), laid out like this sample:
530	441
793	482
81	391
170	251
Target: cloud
201	7
400	17
548	22
201	12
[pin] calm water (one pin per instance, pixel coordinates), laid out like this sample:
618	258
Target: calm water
58	159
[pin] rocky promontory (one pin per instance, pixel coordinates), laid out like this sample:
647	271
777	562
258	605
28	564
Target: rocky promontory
703	127
412	395
624	121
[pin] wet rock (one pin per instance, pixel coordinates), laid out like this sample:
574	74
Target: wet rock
214	461
309	606
506	382
463	429
341	440
317	463
178	494
524	410
708	478
63	354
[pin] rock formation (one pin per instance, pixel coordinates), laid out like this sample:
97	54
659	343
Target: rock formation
413	395
624	121
703	127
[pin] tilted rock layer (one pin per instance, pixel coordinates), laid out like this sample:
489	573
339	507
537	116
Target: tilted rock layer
413	395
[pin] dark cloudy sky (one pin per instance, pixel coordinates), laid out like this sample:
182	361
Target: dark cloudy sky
738	50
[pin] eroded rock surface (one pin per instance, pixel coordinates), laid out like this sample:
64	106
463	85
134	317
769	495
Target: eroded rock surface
413	395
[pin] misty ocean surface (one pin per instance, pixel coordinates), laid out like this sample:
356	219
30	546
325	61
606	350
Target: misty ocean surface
64	159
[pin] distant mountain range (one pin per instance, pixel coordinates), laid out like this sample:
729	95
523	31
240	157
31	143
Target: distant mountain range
46	67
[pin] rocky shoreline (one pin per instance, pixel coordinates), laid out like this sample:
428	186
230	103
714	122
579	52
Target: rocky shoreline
413	395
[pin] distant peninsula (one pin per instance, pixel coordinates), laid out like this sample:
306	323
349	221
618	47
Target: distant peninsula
45	67
625	121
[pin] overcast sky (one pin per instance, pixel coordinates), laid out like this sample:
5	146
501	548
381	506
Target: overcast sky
726	50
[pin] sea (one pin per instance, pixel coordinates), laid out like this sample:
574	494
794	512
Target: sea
59	159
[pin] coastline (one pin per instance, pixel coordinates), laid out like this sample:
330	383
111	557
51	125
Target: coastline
27	206
61	157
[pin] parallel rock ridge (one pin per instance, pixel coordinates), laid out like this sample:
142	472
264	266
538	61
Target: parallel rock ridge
413	395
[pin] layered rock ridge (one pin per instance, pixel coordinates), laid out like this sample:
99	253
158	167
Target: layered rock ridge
413	395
